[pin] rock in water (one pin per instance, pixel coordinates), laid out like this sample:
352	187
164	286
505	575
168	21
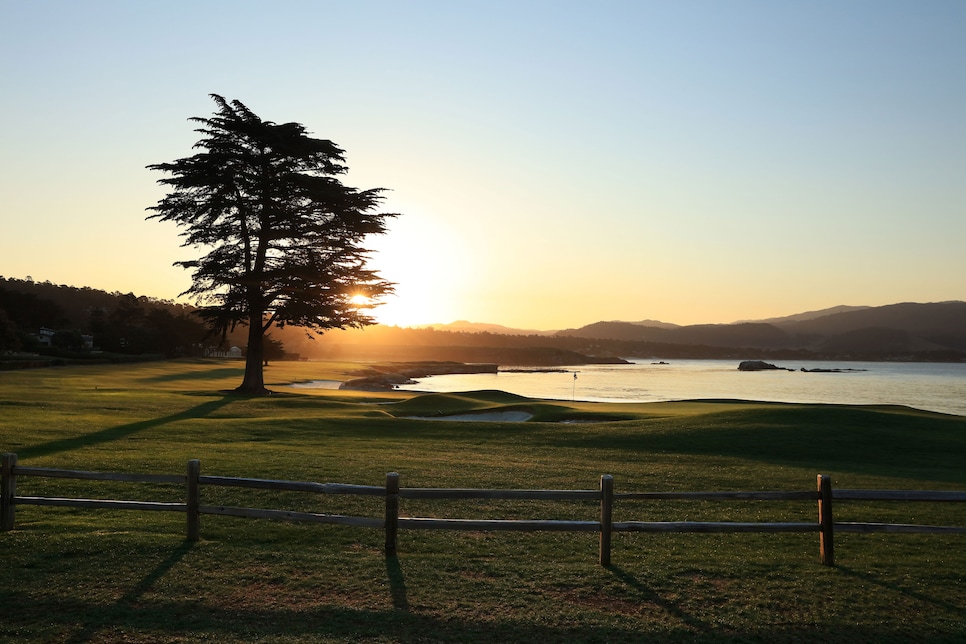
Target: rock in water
757	365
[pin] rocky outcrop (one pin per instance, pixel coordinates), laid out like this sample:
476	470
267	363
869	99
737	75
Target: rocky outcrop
759	365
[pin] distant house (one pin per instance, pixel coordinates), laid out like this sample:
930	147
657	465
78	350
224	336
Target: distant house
45	336
233	352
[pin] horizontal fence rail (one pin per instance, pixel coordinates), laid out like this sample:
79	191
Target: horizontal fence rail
712	526
101	476
294	486
392	493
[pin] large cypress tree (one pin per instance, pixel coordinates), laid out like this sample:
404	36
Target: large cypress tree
281	235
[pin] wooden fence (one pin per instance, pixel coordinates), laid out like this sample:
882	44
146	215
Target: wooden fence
391	522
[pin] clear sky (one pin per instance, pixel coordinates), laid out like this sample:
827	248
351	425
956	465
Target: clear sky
556	163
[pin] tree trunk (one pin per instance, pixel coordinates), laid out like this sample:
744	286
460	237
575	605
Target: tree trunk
254	382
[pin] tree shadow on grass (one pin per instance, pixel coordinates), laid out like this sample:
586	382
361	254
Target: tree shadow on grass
121	431
210	374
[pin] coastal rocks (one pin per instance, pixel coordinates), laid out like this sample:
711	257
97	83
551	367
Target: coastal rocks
759	365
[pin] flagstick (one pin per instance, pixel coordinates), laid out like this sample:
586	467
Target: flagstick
574	395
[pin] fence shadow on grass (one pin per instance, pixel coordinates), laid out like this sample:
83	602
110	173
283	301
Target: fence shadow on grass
648	595
121	431
187	620
131	600
397	584
897	588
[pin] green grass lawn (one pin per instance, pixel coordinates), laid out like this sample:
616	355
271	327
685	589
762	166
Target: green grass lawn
84	575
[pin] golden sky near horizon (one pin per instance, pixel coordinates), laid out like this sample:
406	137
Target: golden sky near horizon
555	163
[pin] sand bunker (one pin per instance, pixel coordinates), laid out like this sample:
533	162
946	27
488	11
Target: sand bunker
484	417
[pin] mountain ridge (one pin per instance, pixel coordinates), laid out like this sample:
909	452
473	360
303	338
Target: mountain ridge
895	329
932	331
465	326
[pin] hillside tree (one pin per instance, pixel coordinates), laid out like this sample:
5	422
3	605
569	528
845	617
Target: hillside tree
282	237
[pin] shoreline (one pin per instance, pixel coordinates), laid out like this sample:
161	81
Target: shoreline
932	387
386	377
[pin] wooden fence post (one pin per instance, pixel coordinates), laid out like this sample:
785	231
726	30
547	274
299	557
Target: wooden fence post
606	517
194	500
825	525
8	490
392	512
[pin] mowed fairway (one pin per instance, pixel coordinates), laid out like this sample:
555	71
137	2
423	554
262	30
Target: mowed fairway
103	576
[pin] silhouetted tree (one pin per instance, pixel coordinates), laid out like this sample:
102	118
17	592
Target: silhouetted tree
281	234
69	340
30	312
174	335
8	333
273	349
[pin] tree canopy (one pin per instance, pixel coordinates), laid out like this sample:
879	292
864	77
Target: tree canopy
281	235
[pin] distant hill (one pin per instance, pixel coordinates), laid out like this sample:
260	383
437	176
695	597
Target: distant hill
871	340
808	315
748	334
926	332
938	324
657	324
931	331
53	320
126	323
463	326
626	331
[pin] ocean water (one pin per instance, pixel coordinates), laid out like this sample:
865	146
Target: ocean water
937	387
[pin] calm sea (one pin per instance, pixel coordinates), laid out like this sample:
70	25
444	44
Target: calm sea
932	386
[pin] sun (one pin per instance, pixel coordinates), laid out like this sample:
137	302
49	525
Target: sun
360	301
433	266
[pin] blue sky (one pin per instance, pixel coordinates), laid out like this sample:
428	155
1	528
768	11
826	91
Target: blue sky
555	163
